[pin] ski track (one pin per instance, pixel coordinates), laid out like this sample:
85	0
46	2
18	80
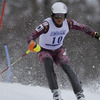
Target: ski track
15	91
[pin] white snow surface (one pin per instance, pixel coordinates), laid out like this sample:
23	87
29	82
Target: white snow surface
15	91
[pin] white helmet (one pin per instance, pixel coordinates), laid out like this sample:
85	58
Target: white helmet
59	7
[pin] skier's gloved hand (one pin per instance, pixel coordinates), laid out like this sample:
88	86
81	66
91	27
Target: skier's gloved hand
34	47
97	36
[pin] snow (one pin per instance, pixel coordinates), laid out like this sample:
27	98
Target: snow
15	91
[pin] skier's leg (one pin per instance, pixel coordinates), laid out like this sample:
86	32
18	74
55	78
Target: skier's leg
47	60
72	77
77	86
62	60
51	77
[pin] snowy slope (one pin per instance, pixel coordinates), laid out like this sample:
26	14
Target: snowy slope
21	92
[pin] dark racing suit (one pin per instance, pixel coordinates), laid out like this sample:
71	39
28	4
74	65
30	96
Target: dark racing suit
59	56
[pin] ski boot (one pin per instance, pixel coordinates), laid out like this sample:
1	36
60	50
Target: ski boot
80	96
56	94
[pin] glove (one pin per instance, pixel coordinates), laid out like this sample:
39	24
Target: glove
34	47
97	36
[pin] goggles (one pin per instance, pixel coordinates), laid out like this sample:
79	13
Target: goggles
57	16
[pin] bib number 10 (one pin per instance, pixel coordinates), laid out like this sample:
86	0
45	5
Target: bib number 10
57	40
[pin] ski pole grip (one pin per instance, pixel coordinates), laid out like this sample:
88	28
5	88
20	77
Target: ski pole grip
34	47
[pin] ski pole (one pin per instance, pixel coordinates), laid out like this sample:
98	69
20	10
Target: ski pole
33	47
27	52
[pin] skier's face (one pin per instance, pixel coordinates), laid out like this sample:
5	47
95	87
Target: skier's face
58	19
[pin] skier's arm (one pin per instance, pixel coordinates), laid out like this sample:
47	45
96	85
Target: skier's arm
41	29
81	27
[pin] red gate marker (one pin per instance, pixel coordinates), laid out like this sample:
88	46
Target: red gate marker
2	14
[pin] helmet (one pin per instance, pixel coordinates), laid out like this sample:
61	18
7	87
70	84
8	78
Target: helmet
59	7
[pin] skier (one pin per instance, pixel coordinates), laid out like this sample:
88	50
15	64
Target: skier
51	33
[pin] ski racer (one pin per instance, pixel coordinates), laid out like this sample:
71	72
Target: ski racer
51	33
